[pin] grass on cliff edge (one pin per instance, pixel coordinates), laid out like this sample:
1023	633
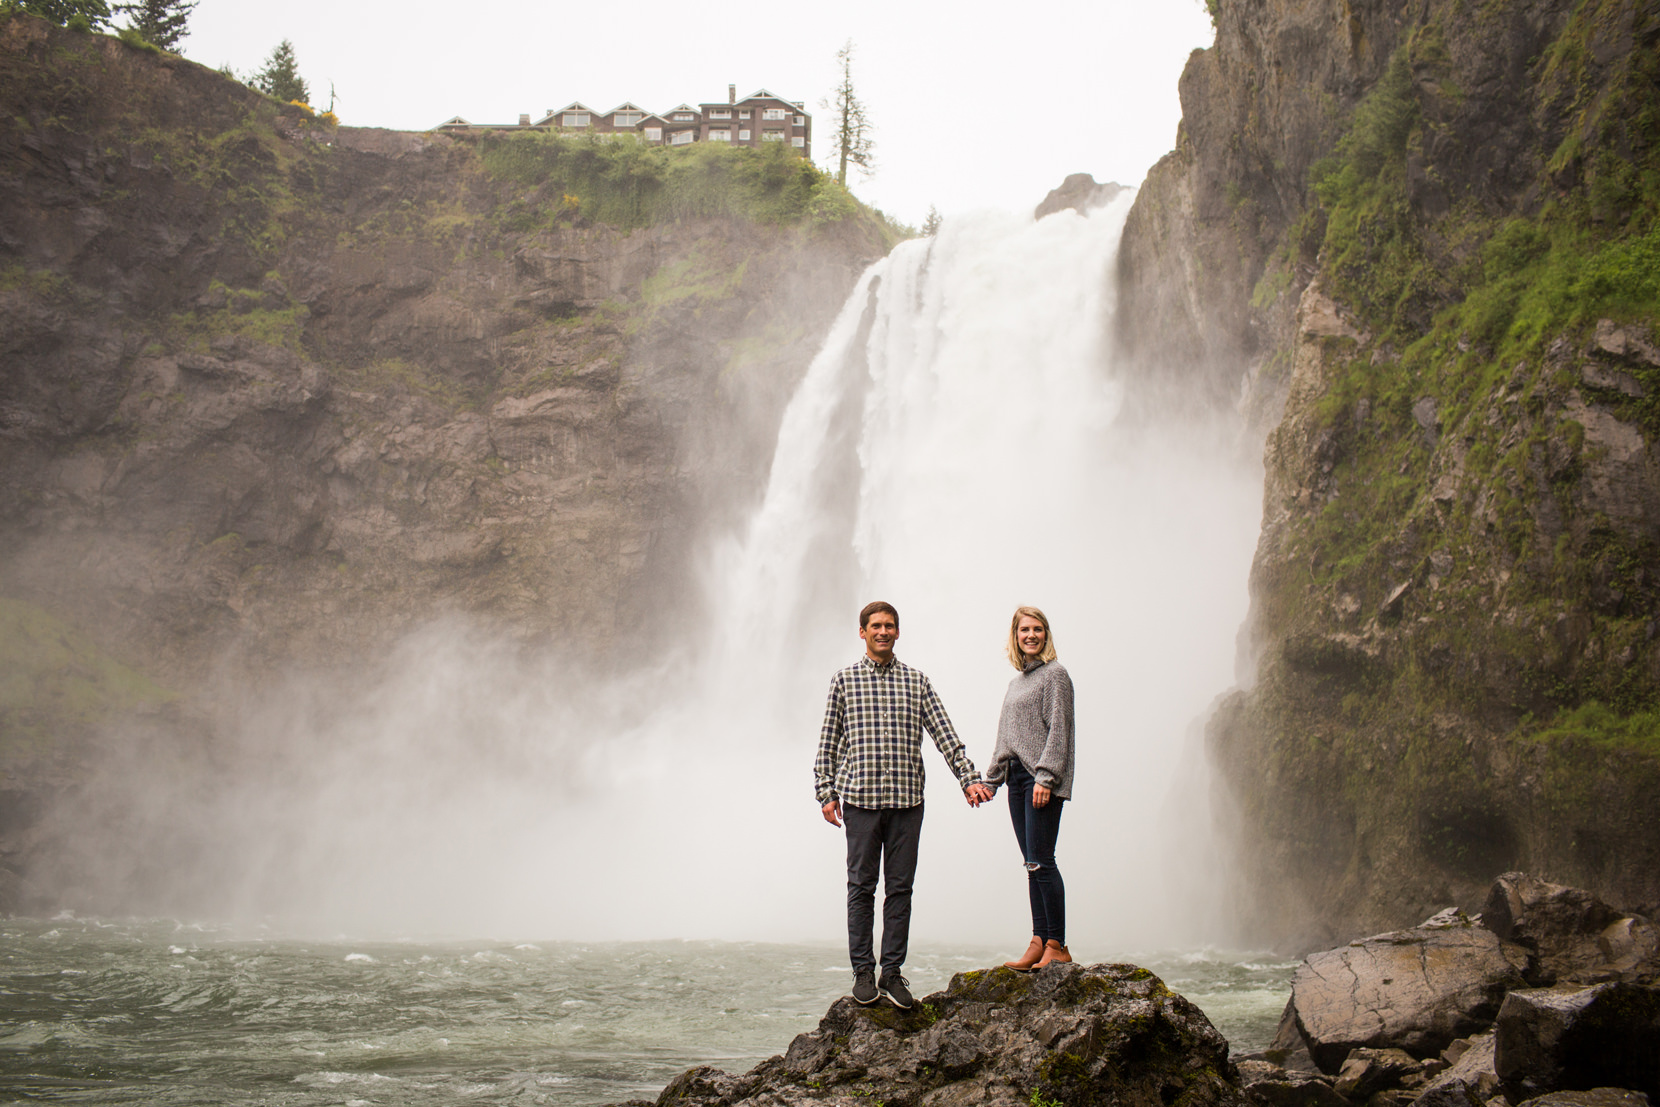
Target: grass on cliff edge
54	682
1605	726
629	184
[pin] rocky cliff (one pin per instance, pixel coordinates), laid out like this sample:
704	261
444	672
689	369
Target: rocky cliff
1420	243
274	391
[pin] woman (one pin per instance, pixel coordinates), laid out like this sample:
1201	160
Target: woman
1034	756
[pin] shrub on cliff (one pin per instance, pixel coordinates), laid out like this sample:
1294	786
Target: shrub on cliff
628	184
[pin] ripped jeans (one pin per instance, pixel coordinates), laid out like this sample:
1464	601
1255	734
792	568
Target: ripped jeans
1036	829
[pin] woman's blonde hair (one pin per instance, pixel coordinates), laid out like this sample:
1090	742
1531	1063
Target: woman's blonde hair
1018	659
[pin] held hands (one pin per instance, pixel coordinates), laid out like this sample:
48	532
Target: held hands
833	812
976	794
1040	795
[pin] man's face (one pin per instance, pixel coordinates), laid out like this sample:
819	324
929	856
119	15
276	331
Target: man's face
879	634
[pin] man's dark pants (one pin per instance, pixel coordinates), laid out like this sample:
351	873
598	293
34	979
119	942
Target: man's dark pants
880	838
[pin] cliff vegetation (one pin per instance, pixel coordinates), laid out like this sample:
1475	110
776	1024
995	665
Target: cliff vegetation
1433	231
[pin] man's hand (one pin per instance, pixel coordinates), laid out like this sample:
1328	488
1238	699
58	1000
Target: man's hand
1040	795
976	794
833	812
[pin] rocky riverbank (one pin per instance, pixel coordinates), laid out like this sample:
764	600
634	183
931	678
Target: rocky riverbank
1549	997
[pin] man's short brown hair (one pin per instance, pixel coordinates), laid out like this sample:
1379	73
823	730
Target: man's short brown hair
872	608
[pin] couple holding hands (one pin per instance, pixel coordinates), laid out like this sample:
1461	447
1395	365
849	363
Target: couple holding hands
868	777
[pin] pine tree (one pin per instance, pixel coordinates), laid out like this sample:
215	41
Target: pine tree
91	15
281	76
852	125
161	22
931	225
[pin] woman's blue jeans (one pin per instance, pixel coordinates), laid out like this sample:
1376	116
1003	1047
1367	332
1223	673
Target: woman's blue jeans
1036	829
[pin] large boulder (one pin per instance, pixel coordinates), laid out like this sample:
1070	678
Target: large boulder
1073	1034
1469	1079
1570	934
1268	1084
1415	990
1576	1039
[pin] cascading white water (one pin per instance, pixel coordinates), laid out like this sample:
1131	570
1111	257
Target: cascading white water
953	450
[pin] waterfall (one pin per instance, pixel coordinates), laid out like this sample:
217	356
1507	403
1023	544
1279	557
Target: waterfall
953	450
956	448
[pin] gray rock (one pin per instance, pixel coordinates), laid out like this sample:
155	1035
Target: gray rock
1415	990
1570	934
1270	1085
1469	1079
1575	1039
1367	1071
1069	1033
1080	192
1596	1097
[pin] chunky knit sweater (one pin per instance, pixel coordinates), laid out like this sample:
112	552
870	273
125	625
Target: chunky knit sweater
1036	727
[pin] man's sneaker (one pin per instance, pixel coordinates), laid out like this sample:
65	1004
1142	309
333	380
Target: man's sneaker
864	988
897	989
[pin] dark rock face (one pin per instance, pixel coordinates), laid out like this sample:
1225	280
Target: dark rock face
1074	1034
1577	1039
1442	647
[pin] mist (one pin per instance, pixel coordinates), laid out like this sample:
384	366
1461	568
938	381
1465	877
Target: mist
957	449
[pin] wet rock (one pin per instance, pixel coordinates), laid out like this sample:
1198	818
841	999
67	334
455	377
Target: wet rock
1570	934
1596	1097
1271	1085
1470	1077
1576	1039
1070	1033
1367	1071
1415	990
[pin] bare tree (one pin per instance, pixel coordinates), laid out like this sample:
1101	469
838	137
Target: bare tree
852	123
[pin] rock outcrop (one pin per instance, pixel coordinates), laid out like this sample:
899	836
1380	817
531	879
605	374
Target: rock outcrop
1441	1015
1072	1034
1417	247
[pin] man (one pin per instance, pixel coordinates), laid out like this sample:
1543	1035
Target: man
868	774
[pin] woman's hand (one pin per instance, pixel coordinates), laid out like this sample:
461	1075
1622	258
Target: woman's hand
1040	795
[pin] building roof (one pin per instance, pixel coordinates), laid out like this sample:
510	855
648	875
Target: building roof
626	105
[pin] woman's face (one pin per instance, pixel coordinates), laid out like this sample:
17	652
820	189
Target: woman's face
1031	636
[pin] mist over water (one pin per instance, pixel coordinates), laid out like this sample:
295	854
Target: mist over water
955	449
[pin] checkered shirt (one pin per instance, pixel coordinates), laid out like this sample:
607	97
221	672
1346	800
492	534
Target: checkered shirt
870	747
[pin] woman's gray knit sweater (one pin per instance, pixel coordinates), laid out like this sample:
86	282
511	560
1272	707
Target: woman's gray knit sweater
1036	726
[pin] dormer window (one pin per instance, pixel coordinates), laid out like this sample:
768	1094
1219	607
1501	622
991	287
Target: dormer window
684	117
627	118
575	119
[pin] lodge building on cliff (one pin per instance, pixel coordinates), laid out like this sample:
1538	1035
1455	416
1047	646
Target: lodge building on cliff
757	118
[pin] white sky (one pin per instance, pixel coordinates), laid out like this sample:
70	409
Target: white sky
972	108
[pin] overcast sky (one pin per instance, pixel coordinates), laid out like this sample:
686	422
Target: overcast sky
981	107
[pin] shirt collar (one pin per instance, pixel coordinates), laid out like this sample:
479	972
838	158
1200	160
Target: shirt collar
865	660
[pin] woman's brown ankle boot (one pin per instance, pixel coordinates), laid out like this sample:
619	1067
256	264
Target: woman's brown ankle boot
1053	951
1029	958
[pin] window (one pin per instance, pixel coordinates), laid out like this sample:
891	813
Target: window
720	136
684	117
772	136
680	138
801	121
720	115
654	134
575	119
743	113
743	136
775	113
799	142
627	118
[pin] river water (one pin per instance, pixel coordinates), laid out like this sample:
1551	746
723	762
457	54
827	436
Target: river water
157	1012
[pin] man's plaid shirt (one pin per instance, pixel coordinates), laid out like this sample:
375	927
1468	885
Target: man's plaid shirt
870	747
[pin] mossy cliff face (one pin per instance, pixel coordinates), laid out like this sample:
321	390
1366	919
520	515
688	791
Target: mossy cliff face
271	392
1428	236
